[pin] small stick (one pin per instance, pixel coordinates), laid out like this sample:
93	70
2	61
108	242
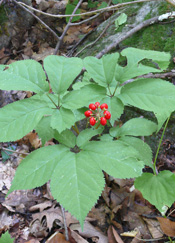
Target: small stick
109	8
65	224
10	150
66	28
91	44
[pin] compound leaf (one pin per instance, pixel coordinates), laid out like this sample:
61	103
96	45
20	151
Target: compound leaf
87	134
62	119
134	68
135	127
44	130
80	181
24	75
144	150
6	238
66	137
116	158
83	97
102	70
149	94
37	168
158	189
19	118
62	71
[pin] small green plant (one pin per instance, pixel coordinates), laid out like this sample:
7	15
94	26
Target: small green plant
76	163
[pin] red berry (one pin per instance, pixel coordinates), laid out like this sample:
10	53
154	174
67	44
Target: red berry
92	121
97	104
92	107
104	106
103	121
107	115
88	113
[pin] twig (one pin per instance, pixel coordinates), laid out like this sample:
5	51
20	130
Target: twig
86	20
66	28
10	150
27	10
152	75
72	50
128	34
65	225
91	44
1	2
109	8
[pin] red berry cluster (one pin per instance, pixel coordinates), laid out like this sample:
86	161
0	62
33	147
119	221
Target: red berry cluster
97	113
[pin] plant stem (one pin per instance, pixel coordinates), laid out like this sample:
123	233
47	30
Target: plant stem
77	129
115	88
110	91
52	101
65	225
10	150
160	142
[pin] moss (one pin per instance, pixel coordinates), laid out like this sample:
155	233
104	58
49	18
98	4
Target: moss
3	16
157	37
165	7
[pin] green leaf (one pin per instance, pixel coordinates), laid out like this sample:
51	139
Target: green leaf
81	182
2	67
120	20
149	94
24	75
6	238
134	69
62	71
37	168
66	137
69	10
19	118
6	154
116	158
135	127
144	150
83	97
45	132
103	5
106	138
158	189
102	70
87	134
62	119
115	106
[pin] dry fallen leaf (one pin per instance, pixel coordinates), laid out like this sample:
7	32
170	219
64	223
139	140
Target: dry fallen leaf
57	237
167	226
154	228
90	231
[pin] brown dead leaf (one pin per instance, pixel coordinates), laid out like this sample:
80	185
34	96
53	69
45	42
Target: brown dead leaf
41	206
31	139
154	228
167	226
57	237
74	32
33	241
51	215
116	236
77	237
90	231
38	228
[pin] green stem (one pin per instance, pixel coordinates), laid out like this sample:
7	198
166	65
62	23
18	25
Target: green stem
109	91
77	129
52	100
160	142
115	88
